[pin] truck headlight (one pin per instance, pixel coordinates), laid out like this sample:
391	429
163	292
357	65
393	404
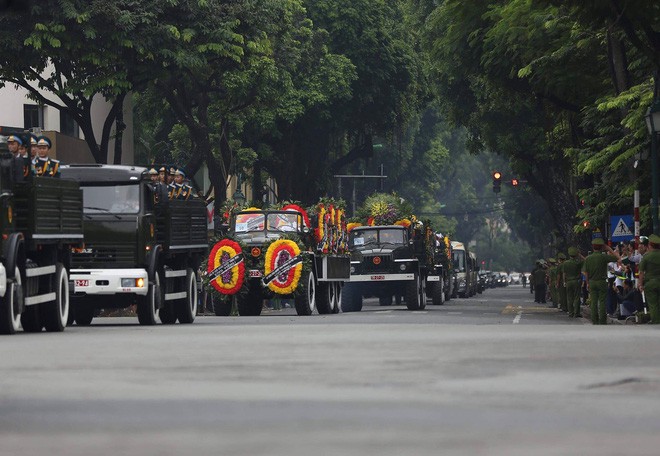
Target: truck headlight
132	283
352	269
402	266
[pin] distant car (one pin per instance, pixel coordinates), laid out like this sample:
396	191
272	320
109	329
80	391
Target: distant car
503	279
515	277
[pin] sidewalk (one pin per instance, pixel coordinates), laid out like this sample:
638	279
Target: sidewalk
586	314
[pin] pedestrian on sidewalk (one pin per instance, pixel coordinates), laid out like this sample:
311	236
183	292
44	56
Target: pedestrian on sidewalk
649	277
571	276
595	272
539	278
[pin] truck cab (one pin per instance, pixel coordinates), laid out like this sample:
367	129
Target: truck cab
140	248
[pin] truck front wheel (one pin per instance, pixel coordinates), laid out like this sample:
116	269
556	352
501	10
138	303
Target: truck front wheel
147	306
56	313
351	298
186	309
306	299
325	297
221	306
10	318
437	294
415	294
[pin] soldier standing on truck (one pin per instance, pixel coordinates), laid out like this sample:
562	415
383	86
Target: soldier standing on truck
14	144
44	165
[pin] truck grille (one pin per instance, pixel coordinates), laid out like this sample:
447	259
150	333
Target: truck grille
99	254
384	265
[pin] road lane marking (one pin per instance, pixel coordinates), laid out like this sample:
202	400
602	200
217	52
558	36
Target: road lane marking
454	313
420	311
383	311
517	318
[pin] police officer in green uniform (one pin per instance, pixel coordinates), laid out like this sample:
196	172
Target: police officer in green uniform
561	285
595	272
539	278
571	272
44	165
649	277
552	281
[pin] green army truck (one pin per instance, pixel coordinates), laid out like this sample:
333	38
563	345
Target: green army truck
386	262
40	220
274	243
140	248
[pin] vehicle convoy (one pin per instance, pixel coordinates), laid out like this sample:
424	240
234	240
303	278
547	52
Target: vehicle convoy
389	261
41	221
140	248
281	253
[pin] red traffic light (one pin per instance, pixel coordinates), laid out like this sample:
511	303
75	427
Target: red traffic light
586	224
497	175
514	182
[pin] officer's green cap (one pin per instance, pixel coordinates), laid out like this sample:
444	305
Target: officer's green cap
572	251
598	241
654	239
561	256
153	171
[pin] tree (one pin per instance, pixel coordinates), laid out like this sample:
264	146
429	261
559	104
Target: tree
68	53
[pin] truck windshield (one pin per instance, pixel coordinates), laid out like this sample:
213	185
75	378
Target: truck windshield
459	260
116	199
251	222
383	236
246	223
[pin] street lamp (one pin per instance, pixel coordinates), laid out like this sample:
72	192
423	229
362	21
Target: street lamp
653	125
238	196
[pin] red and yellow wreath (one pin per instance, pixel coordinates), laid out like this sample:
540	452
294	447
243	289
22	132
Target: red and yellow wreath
226	268
303	212
283	265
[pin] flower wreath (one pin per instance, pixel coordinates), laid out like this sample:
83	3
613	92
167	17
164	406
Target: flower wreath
287	253
225	273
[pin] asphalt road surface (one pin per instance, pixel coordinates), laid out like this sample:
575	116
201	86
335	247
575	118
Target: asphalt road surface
495	374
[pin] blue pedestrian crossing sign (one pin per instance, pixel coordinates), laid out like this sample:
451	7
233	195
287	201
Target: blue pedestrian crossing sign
622	228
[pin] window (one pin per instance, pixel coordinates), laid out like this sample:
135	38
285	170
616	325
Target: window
68	126
116	199
33	116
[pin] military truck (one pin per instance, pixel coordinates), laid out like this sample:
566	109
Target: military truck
281	257
386	261
140	248
440	279
41	221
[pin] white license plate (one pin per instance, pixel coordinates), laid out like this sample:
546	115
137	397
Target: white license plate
255	273
82	282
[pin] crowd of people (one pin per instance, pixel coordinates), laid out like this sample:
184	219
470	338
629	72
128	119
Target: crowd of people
620	282
170	182
31	154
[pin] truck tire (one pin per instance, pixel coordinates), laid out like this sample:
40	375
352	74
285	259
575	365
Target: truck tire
337	297
250	303
56	313
437	294
221	307
325	297
10	318
186	309
147	306
415	294
385	300
351	298
306	299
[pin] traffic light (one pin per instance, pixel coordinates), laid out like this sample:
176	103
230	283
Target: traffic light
497	181
515	182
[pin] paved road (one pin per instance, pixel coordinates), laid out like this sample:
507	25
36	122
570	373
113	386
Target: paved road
461	379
